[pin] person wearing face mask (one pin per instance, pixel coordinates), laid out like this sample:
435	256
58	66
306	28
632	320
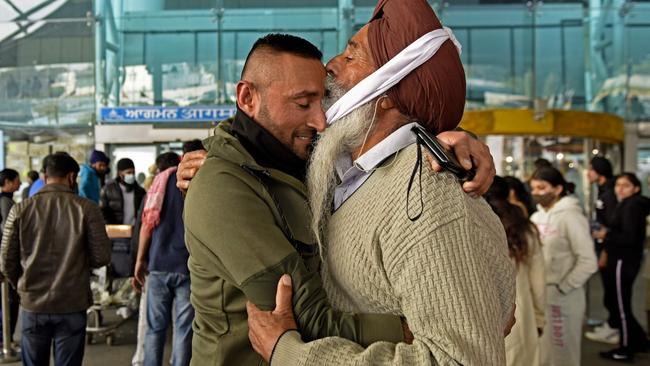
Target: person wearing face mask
50	243
569	261
624	246
121	198
120	201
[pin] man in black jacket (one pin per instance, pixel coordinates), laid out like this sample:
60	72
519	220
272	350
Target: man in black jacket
120	202
601	173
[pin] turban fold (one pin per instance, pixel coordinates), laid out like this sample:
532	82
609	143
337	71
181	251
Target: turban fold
433	93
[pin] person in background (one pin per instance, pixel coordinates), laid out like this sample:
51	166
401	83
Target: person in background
623	254
600	172
148	181
40	182
162	263
10	182
520	195
121	198
37	185
92	176
49	245
522	344
569	262
542	163
32	177
192	145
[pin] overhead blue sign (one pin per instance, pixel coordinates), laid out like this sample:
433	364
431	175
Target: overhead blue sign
165	114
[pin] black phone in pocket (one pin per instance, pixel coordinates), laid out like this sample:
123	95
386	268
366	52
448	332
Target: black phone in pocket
445	158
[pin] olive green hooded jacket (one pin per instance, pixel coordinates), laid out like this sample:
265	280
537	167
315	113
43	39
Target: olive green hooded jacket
245	226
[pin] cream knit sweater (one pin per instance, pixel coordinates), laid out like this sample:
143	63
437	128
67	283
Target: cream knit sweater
448	273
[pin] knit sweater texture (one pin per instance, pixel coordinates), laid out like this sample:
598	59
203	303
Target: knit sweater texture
448	272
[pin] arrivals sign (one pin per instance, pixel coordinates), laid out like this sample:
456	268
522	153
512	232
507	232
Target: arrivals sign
166	114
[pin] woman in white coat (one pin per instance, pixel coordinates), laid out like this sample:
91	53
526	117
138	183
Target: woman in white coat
522	344
570	261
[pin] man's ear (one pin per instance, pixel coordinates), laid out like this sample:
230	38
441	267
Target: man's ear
72	179
386	103
247	98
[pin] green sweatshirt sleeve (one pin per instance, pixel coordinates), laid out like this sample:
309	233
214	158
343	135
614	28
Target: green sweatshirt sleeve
229	216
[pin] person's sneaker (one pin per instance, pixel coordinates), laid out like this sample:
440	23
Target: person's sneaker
618	354
604	334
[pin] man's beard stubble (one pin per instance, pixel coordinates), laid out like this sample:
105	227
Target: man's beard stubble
340	139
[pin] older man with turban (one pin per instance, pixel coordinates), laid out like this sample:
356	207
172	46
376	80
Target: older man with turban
395	236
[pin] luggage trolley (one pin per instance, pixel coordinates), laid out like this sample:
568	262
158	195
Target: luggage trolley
111	287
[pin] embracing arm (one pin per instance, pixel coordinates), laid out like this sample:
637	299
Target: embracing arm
449	296
235	230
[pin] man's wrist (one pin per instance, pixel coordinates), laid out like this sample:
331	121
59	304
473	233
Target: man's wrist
286	349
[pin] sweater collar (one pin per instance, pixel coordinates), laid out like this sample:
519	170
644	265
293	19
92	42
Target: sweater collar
265	148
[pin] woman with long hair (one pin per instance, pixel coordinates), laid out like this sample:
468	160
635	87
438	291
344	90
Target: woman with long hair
522	344
622	257
520	196
569	262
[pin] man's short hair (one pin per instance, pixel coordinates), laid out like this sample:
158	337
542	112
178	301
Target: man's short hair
192	145
55	153
167	160
32	175
602	166
60	165
7	175
284	43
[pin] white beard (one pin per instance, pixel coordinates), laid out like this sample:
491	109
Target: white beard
343	137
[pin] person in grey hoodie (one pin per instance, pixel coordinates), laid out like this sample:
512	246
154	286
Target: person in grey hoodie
570	262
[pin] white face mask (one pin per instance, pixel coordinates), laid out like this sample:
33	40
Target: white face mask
129	178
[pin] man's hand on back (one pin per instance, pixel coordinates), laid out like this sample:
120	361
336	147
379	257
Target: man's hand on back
266	327
188	167
470	152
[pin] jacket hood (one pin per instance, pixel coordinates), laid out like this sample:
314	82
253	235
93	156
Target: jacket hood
566	203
